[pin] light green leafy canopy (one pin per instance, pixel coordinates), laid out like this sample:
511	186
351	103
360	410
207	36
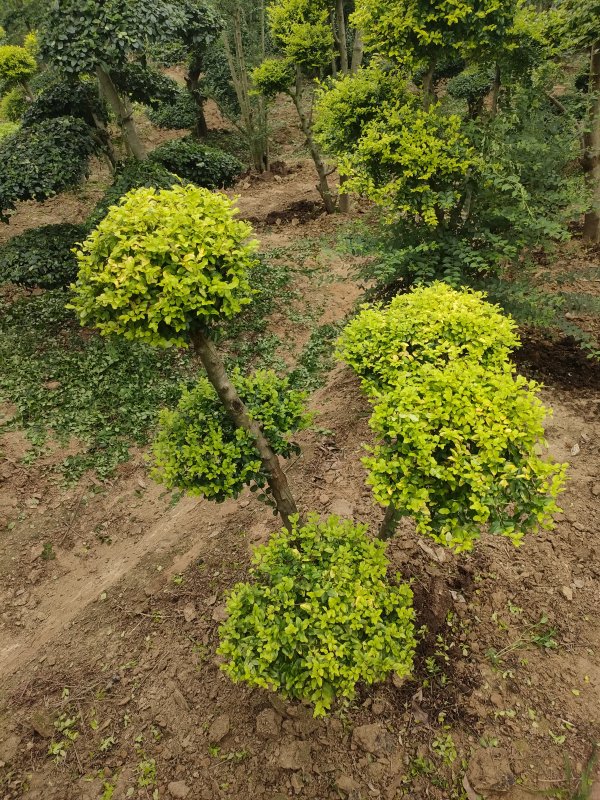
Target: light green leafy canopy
319	616
411	161
162	263
431	325
344	106
16	65
273	76
199	449
457	451
427	30
302	32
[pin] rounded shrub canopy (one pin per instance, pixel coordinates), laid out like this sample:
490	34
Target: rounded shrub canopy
200	450
16	64
320	615
434	324
457	452
163	263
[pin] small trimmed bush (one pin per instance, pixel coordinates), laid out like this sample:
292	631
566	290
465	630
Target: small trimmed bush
161	261
320	615
39	161
144	84
200	451
180	114
471	86
16	65
14	104
42	256
457	451
194	162
132	174
69	98
434	324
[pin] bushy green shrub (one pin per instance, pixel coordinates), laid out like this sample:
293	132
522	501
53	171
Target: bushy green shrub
39	161
180	114
14	104
199	449
68	98
320	615
145	85
457	452
273	76
42	256
194	162
472	86
16	65
432	324
153	267
132	174
7	128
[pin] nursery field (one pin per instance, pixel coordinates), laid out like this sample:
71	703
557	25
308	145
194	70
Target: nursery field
299	400
113	589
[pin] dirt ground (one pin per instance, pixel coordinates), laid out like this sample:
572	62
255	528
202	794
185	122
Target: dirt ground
108	644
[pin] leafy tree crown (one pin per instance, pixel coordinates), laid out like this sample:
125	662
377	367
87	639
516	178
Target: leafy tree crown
162	263
273	76
319	616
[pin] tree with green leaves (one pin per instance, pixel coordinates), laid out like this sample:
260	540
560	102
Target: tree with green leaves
167	267
579	31
83	37
17	66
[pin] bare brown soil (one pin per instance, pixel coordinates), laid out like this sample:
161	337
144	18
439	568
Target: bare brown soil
118	632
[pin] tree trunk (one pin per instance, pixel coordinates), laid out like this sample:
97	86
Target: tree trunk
591	157
323	187
192	81
358	49
496	84
123	113
342	39
389	524
238	412
428	93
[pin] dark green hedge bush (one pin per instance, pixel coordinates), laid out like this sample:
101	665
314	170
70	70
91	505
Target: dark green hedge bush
177	115
132	174
194	162
145	85
39	161
42	256
69	98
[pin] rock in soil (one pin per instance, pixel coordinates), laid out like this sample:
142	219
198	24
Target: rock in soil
373	738
178	789
489	771
219	729
295	755
268	724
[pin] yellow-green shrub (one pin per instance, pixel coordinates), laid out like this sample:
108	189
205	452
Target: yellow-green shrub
198	448
457	451
434	324
319	616
162	262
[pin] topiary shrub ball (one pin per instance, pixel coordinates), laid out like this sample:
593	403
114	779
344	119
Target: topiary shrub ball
319	616
161	263
205	166
435	324
200	450
42	256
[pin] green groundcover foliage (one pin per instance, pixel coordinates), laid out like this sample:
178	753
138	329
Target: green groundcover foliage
319	615
42	256
457	451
